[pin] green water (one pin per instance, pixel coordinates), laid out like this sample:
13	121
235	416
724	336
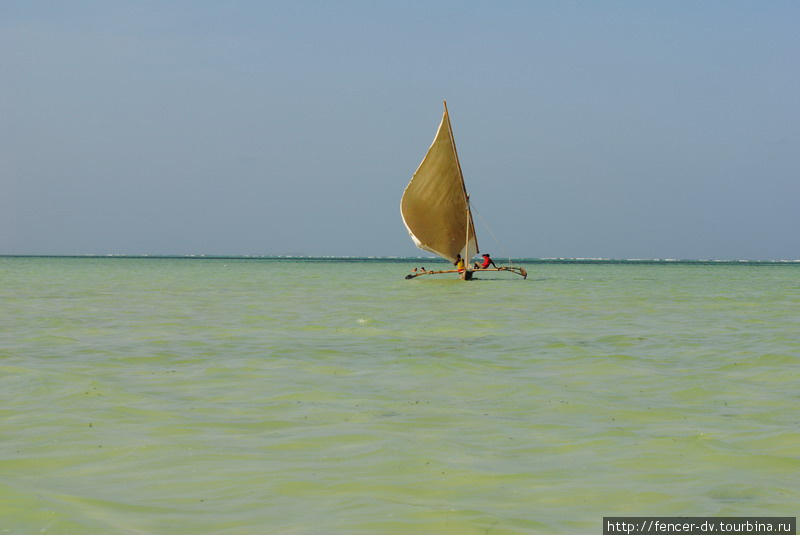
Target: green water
225	396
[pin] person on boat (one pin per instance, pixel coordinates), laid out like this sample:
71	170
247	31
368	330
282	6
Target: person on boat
487	261
459	263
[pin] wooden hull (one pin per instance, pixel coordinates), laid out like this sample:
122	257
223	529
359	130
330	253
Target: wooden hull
467	275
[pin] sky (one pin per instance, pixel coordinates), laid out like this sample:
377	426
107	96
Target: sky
618	129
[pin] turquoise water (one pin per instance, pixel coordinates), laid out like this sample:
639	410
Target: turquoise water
235	396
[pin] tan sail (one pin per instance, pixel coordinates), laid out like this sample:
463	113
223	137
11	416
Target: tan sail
435	204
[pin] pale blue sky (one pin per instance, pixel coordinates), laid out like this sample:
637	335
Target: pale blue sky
620	129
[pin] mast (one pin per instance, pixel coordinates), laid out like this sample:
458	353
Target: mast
470	223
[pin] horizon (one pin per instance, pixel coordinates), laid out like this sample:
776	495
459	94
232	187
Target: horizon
432	259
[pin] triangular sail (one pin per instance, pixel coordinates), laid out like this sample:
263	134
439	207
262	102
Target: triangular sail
435	204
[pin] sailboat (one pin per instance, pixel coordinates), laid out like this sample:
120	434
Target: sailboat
436	211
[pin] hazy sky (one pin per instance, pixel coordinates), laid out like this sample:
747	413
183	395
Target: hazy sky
621	129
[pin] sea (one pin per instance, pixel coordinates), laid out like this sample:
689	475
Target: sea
241	396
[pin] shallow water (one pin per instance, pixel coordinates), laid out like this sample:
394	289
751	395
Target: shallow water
241	396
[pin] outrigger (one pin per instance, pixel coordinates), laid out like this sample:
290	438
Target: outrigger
467	274
436	210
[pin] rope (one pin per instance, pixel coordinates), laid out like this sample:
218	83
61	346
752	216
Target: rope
483	222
